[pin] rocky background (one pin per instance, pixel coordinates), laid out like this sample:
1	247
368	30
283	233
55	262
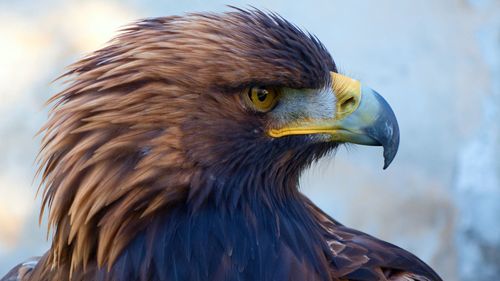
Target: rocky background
436	62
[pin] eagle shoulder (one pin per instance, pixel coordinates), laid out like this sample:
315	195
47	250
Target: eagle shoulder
358	256
22	271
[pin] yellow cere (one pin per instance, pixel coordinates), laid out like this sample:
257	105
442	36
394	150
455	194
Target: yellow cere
347	92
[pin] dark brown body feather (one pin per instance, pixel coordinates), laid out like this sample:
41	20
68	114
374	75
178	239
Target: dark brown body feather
154	171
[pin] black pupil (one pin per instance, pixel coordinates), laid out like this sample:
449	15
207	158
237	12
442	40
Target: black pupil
262	94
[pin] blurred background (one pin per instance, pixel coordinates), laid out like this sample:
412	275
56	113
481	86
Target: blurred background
436	62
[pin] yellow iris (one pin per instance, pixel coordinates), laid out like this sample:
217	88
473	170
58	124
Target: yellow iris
263	99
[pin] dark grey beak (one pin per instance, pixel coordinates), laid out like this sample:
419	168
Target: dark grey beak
385	129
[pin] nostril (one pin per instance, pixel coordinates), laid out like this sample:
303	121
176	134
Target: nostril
348	105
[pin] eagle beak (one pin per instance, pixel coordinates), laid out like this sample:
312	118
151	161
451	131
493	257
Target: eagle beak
362	117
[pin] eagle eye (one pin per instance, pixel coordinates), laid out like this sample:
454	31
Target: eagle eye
262	98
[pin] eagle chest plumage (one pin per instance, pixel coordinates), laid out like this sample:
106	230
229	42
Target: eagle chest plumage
245	245
176	151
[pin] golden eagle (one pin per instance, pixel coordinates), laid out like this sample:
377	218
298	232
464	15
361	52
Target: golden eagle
175	154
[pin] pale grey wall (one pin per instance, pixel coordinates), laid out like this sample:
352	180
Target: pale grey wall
436	62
